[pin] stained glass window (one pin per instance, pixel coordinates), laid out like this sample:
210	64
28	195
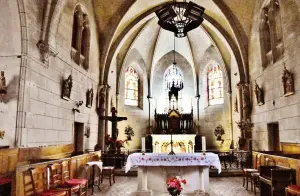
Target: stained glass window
173	75
215	84
131	87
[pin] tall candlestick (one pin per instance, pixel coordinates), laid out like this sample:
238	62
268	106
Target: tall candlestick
143	145
203	143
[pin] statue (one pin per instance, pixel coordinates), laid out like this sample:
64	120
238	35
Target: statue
89	98
2	85
219	131
288	82
246	101
259	92
101	98
236	107
67	88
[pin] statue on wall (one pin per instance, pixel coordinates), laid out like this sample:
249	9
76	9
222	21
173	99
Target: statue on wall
2	85
246	101
236	106
288	82
67	88
259	92
102	97
89	98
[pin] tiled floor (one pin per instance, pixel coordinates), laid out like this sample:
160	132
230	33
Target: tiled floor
225	186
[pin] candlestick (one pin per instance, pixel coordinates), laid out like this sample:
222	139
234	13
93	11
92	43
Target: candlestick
143	145
203	144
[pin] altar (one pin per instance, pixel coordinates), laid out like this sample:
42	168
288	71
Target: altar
155	168
182	143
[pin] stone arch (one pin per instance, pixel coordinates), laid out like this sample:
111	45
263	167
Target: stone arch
240	56
135	60
157	79
211	55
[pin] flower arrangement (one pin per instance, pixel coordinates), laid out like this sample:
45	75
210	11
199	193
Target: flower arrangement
120	143
2	133
108	140
175	185
219	131
129	132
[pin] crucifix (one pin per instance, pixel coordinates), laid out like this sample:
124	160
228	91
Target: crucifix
114	119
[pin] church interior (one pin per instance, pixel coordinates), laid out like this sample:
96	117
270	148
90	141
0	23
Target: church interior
149	98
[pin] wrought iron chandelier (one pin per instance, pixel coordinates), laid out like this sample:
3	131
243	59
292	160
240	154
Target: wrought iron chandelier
180	17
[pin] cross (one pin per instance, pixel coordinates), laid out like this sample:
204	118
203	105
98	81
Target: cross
114	119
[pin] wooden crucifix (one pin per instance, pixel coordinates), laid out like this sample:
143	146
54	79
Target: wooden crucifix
114	119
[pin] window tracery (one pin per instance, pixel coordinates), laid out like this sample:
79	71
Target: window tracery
80	38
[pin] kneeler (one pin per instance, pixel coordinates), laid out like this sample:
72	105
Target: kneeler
83	183
56	178
39	180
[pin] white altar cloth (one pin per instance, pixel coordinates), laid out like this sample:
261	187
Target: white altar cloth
154	169
180	159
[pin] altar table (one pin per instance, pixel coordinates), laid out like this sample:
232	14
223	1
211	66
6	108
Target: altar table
155	168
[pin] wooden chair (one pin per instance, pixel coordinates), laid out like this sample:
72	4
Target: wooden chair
110	172
56	180
39	183
292	190
83	183
247	174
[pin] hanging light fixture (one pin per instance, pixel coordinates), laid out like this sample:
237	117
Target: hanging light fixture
180	17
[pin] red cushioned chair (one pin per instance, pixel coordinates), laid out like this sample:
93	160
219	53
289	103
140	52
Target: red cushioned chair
292	190
83	183
56	178
39	182
5	186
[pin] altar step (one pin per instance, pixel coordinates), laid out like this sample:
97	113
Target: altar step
212	172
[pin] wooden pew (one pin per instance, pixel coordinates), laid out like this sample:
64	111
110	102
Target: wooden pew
281	159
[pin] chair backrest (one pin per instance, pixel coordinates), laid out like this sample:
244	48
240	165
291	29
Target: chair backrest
65	171
39	179
55	174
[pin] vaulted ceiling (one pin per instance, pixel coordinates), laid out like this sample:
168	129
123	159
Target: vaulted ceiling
123	24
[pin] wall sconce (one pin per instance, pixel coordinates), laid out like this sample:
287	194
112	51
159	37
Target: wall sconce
88	132
2	86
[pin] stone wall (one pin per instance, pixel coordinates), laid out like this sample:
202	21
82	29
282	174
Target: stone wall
10	62
49	118
277	108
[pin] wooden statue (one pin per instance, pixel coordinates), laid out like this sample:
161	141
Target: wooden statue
259	92
288	82
89	98
67	88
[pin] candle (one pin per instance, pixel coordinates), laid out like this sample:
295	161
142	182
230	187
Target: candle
203	143
143	145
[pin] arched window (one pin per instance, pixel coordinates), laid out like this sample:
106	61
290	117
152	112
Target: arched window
215	84
80	38
173	75
271	37
131	87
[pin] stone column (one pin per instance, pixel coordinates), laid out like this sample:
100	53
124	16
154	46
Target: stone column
101	108
107	107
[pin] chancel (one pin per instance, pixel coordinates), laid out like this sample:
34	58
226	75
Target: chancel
149	97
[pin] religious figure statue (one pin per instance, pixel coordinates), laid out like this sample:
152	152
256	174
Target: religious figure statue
288	82
2	85
67	88
236	106
259	92
89	98
102	97
246	102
